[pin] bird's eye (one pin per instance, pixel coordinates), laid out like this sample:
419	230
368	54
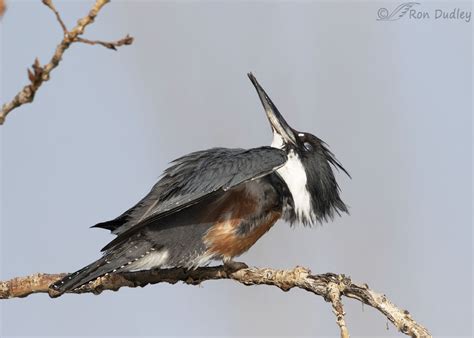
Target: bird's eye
308	146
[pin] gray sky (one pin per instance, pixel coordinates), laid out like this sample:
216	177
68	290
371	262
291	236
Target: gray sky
393	99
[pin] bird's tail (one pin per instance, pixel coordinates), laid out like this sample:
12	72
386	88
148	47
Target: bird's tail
76	279
114	260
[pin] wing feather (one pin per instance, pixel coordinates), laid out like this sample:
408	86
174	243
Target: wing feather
193	177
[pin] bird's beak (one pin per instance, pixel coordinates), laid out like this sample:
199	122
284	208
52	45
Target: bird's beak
277	121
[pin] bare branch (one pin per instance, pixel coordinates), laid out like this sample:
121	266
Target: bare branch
330	286
50	4
128	40
41	74
334	295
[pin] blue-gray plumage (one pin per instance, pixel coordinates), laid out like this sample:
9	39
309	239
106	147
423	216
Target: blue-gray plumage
194	176
215	204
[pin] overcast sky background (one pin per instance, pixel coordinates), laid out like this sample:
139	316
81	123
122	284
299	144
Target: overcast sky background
392	99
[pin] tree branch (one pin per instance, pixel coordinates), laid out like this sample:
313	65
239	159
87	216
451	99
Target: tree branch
40	73
51	6
127	40
330	286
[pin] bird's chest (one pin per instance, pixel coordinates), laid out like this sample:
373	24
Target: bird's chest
245	215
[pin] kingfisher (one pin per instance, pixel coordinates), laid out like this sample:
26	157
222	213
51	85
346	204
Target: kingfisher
215	204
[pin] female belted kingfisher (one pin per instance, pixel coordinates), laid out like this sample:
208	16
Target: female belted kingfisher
215	204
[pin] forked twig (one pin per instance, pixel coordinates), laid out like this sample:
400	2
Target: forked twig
40	74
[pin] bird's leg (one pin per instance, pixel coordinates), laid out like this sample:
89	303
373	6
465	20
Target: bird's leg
231	266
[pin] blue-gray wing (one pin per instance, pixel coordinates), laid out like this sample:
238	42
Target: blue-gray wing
192	177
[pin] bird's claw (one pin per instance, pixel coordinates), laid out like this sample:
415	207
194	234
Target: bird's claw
233	266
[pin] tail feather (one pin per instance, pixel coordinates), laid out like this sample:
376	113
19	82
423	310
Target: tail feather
82	276
116	259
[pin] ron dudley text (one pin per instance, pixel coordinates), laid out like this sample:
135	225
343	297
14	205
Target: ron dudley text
440	14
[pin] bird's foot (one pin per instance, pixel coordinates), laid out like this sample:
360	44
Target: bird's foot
231	266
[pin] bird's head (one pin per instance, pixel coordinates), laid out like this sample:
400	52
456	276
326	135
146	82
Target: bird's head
308	173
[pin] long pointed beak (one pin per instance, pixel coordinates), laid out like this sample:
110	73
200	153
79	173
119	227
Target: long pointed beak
277	121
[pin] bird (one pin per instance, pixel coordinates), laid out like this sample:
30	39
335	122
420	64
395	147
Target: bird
213	205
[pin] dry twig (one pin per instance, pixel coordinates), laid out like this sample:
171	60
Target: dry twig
128	40
40	73
329	285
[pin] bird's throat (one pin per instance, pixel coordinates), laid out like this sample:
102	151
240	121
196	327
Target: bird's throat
294	176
